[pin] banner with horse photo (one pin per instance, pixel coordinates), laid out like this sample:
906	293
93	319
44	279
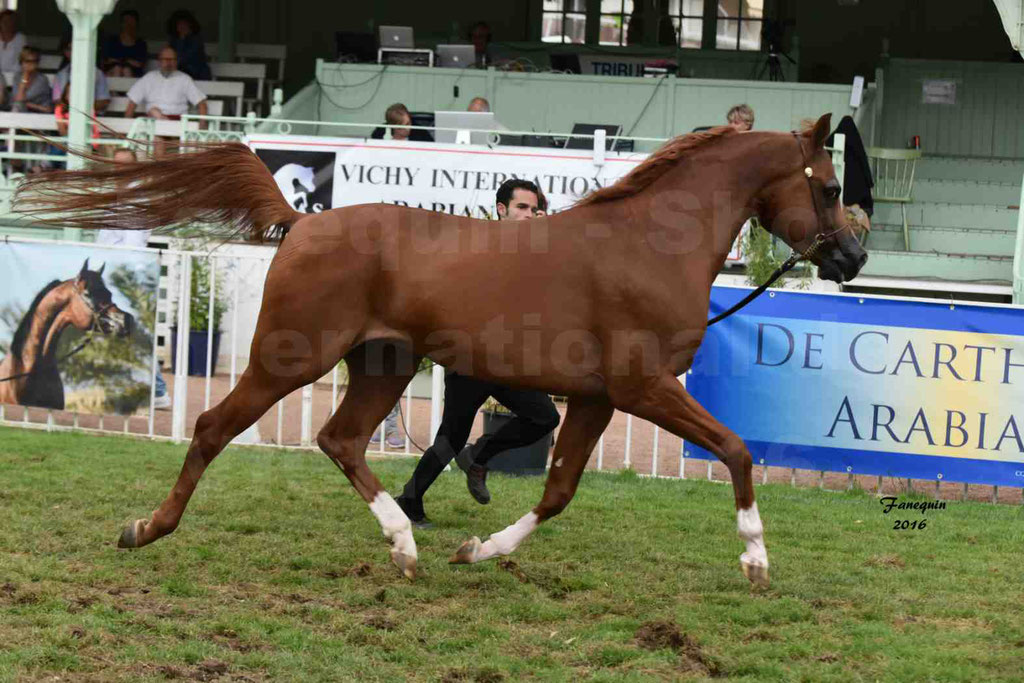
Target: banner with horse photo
869	385
76	327
456	179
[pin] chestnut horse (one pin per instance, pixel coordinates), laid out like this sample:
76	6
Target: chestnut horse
605	303
29	374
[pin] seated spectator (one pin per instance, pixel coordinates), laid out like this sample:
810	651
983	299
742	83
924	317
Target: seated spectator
741	117
397	117
30	91
125	54
166	94
11	41
101	94
478	104
183	34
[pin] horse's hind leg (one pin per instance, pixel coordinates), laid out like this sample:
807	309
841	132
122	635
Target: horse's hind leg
665	402
585	420
373	389
254	394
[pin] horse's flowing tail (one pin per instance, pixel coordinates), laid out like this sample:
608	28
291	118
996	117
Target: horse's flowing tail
222	183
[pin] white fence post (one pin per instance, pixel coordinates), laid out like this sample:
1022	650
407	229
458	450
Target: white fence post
307	415
180	404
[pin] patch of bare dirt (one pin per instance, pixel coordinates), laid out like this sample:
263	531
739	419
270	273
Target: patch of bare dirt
512	568
380	622
658	635
828	657
762	636
485	675
891	561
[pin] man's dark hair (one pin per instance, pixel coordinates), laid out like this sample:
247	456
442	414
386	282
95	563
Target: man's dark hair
130	13
509	187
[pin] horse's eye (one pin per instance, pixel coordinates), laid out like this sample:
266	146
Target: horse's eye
832	192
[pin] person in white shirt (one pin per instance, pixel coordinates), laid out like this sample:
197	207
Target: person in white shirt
11	41
166	92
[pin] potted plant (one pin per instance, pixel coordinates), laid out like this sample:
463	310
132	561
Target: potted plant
199	321
532	459
760	249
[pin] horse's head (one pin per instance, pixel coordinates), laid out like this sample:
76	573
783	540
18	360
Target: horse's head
92	307
802	208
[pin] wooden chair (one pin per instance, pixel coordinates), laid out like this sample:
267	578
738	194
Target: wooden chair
893	173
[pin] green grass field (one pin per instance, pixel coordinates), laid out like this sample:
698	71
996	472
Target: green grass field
279	572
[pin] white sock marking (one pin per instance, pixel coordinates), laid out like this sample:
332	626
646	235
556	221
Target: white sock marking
393	523
748	523
509	538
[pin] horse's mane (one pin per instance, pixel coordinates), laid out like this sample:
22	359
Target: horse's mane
655	166
21	334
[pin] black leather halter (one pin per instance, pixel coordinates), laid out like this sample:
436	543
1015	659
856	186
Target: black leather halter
796	257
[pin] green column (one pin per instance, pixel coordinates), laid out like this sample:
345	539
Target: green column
85	16
228	34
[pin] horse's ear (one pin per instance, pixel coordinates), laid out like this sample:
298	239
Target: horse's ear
100	271
821	130
85	267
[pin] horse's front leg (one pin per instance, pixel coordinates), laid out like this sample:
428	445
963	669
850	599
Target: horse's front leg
585	420
663	401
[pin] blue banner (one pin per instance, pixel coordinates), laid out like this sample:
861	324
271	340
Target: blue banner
868	385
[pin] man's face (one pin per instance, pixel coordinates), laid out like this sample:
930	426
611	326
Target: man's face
522	205
168	60
124	156
129	25
399	133
478	105
8	24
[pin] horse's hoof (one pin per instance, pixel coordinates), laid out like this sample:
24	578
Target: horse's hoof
757	574
467	552
405	563
130	535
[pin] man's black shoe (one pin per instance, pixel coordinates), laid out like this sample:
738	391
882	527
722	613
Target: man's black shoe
413	509
476	482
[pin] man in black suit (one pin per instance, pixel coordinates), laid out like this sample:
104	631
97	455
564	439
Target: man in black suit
535	412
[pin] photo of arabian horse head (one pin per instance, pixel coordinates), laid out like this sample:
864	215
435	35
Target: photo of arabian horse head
30	372
605	303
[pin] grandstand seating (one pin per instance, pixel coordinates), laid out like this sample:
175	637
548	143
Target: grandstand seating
963	222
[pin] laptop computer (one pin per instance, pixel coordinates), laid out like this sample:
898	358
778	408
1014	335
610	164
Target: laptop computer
396	36
481	121
455	56
612	131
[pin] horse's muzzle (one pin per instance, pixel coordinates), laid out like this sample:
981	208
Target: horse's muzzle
844	261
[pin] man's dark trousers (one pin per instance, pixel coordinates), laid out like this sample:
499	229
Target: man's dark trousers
535	417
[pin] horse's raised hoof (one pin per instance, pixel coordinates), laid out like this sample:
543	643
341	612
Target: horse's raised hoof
757	574
467	552
405	563
131	534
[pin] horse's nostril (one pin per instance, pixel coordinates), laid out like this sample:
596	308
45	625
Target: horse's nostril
862	260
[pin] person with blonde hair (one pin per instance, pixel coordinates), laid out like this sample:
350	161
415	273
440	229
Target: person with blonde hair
741	117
